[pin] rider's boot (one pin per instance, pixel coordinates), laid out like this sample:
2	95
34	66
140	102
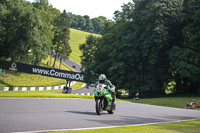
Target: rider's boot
114	102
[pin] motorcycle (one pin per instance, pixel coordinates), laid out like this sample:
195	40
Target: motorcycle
103	99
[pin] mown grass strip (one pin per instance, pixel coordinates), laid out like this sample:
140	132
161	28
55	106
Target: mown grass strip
171	101
40	94
192	126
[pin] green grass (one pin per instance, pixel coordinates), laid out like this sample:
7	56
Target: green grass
175	127
23	79
77	85
40	94
10	78
168	101
77	37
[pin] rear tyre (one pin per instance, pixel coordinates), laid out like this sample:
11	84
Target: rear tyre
99	108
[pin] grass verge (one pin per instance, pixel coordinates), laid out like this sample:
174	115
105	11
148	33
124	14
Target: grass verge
11	78
40	94
168	101
192	126
77	85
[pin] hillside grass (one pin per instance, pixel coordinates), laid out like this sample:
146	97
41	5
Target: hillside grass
9	78
78	37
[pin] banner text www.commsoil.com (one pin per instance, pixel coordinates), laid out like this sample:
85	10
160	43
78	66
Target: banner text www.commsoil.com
54	73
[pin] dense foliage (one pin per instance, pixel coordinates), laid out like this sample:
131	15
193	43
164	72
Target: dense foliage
61	37
94	25
29	31
151	44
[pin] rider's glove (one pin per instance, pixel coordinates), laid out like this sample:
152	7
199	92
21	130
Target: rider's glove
109	90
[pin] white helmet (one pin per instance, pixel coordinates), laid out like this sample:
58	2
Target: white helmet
102	77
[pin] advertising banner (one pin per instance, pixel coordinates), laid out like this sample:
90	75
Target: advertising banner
0	72
50	72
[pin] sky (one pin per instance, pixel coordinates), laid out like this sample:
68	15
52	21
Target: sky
92	8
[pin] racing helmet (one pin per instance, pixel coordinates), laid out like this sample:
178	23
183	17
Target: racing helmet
102	78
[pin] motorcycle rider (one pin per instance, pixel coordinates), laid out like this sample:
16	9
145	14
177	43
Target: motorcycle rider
110	87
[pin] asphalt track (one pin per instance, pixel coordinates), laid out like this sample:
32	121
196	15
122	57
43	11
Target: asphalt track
42	115
73	65
77	67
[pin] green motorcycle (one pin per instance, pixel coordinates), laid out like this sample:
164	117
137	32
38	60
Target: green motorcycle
103	99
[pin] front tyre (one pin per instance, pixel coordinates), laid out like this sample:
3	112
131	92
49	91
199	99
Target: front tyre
99	108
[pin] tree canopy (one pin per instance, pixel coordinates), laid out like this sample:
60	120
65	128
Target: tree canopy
27	32
85	23
150	44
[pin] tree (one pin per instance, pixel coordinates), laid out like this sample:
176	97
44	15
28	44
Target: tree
141	45
25	26
95	25
88	25
185	56
98	24
81	22
88	59
61	37
47	14
134	51
18	22
3	13
43	2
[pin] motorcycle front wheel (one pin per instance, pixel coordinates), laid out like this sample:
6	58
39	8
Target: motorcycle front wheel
99	108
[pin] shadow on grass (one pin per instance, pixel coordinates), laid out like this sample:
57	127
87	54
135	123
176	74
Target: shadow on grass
5	84
12	73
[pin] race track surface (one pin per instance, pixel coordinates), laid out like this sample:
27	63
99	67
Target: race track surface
41	115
